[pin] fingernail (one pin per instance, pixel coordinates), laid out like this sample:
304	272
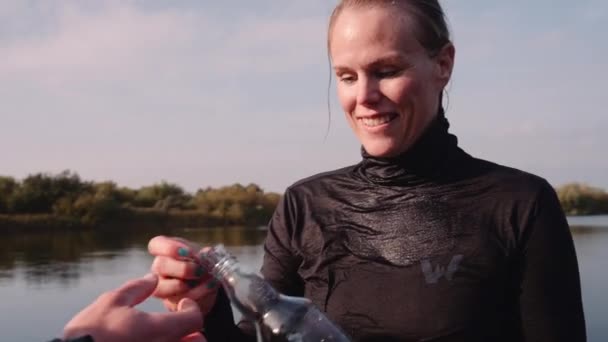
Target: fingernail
186	304
200	270
182	251
212	284
192	283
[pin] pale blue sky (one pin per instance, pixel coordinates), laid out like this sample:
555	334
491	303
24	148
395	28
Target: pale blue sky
208	93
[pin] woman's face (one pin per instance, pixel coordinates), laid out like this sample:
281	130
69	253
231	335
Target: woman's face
388	85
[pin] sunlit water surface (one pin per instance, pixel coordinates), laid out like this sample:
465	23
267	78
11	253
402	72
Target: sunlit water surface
46	278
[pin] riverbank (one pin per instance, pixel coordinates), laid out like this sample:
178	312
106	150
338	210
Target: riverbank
582	200
125	219
44	202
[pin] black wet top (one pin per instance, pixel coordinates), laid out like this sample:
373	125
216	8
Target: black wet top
433	245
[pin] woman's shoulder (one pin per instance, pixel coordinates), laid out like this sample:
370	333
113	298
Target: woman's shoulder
508	178
320	180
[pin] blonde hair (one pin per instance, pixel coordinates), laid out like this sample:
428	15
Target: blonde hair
430	27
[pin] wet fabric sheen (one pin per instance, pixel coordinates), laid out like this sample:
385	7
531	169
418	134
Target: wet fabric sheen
433	245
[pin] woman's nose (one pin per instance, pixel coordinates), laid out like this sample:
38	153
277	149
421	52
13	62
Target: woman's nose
368	92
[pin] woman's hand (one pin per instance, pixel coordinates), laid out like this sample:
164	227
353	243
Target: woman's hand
113	318
179	275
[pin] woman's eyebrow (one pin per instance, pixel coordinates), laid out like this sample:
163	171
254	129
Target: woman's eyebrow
392	59
341	70
381	61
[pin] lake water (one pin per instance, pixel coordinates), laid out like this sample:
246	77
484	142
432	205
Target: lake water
46	278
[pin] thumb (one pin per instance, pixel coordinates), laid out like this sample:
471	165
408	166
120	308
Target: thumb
136	291
187	304
187	320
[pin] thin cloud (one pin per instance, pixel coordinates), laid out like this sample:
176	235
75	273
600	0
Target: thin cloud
122	40
91	44
110	88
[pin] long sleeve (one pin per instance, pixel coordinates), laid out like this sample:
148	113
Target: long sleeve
281	262
550	302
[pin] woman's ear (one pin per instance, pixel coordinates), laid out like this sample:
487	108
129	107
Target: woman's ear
445	63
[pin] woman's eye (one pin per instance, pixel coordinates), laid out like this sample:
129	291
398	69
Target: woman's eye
346	78
387	73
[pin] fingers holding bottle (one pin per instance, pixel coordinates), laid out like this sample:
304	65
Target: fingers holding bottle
181	273
173	247
177	276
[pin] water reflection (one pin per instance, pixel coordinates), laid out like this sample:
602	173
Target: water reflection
61	272
589	221
587	230
63	257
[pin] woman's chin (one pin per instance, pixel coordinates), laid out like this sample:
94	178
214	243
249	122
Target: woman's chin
382	149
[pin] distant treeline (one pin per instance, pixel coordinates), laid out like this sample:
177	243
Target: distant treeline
45	201
65	201
581	199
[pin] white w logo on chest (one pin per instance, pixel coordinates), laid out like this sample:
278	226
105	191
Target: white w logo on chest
432	275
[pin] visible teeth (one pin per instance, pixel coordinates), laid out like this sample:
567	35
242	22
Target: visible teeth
377	120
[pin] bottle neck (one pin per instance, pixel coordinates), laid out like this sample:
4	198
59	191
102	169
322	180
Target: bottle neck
244	288
223	265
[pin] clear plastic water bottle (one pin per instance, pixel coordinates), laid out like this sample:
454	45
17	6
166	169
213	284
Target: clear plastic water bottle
295	318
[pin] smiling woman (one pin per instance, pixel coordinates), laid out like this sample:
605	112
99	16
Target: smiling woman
389	84
419	241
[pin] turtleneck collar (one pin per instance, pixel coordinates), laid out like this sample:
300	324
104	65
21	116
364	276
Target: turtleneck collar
425	160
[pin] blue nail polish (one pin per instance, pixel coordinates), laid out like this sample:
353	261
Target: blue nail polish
200	270
183	252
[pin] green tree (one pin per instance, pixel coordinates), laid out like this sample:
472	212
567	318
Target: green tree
149	196
235	214
581	199
95	208
8	186
243	204
65	197
38	193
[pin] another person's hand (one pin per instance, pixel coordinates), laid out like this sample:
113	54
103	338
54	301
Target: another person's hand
179	276
113	318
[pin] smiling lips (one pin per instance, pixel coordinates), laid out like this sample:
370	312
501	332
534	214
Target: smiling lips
376	120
